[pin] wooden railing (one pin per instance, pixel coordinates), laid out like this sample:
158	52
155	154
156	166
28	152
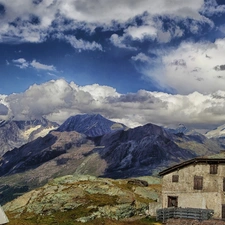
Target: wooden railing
192	213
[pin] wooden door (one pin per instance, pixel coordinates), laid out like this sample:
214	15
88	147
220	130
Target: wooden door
172	201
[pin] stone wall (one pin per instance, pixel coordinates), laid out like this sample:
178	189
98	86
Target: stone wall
210	197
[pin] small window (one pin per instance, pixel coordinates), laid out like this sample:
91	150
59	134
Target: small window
175	178
198	182
172	201
213	168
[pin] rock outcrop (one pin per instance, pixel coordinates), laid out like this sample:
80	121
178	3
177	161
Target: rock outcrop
85	198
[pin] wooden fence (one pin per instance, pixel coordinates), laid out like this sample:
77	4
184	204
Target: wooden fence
188	213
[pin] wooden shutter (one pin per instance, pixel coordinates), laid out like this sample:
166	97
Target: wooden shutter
223	211
198	182
224	184
213	168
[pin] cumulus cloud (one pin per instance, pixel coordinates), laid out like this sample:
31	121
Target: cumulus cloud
23	64
40	66
57	100
105	11
188	68
82	44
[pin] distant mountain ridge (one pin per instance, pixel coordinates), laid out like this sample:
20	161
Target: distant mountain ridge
180	129
91	125
217	132
14	134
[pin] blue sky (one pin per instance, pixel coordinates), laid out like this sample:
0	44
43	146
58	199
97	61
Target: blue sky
132	61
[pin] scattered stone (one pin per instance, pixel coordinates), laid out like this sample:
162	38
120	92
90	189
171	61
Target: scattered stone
141	183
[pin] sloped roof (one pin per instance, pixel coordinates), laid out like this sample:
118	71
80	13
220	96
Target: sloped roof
217	158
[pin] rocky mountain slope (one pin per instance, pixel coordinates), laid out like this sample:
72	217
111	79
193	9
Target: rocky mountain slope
14	134
91	125
71	199
217	134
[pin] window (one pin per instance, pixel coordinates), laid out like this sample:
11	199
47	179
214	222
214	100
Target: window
223	211
172	201
175	178
213	168
198	182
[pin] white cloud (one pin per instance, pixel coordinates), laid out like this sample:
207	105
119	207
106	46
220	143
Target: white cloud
190	67
120	42
29	22
141	57
104	11
40	66
152	30
23	64
82	44
141	32
57	100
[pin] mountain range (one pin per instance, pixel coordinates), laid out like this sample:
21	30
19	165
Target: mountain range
14	134
93	145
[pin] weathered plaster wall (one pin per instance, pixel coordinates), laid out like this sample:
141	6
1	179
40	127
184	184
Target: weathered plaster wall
210	197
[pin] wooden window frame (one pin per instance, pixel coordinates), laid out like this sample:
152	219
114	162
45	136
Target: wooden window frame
213	168
198	182
175	178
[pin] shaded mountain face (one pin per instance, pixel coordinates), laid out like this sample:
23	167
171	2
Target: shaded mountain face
39	151
91	125
14	134
140	151
195	141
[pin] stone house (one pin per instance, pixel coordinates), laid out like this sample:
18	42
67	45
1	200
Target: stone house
196	183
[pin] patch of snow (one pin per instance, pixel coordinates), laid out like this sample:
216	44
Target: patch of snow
28	132
44	132
218	132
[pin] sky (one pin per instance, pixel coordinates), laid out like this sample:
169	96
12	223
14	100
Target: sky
134	62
